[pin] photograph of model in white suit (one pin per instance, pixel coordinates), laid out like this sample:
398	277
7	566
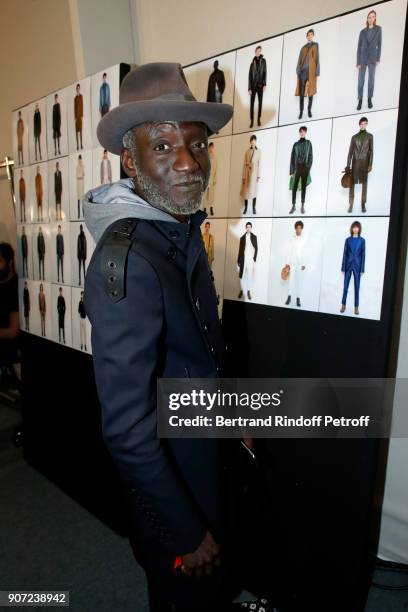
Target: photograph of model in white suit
247	254
368	56
353	264
295	260
251	173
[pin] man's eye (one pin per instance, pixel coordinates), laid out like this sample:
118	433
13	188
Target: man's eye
201	145
162	146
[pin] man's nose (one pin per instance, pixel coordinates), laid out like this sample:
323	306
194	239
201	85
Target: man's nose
185	161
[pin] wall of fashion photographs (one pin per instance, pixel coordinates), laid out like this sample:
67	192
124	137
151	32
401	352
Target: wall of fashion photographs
57	160
298	200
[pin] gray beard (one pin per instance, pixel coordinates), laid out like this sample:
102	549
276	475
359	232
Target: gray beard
155	197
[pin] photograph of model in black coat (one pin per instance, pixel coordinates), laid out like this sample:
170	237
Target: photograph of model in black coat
247	254
360	161
81	251
257	83
24	252
41	253
61	307
37	131
56	125
301	161
368	56
216	85
60	254
26	307
353	263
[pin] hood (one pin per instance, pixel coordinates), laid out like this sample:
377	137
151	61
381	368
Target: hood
108	203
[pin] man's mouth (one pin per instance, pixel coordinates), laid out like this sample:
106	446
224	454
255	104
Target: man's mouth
188	185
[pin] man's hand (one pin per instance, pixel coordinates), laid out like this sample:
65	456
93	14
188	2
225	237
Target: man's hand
250	92
202	560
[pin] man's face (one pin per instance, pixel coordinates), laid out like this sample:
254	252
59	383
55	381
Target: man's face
59	229
57	166
363	125
258	51
105	155
298	230
77	89
207	228
355	230
302	134
56	97
252	143
38	169
310	36
170	164
248	228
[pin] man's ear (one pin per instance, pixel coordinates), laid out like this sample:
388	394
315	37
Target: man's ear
128	164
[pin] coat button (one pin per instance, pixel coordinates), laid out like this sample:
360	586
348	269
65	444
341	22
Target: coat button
197	303
212	349
205	327
172	253
174	234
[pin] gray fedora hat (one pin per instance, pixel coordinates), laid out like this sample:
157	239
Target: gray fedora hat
157	92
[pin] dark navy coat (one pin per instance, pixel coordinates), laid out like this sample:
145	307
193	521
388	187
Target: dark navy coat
353	258
166	325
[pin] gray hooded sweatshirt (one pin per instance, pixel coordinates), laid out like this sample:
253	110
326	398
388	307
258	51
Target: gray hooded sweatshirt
108	203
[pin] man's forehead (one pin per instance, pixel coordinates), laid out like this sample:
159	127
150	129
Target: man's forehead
157	126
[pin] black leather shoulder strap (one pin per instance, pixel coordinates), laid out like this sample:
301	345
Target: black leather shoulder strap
115	251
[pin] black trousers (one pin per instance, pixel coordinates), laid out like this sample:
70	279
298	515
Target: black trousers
81	262
60	262
301	174
256	92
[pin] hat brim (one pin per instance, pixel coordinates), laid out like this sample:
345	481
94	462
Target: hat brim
119	120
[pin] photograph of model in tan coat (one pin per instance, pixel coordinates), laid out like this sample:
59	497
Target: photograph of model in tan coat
307	70
251	174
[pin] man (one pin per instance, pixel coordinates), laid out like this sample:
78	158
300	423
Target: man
61	316
209	196
257	83
301	161
360	159
20	138
208	240
353	264
9	321
81	251
251	173
80	181
26	306
106	169
56	125
24	252
368	56
39	192
307	70
41	253
104	96
82	322
247	254
58	191
153	310
60	254
22	196
37	131
78	115
296	262
42	307
216	85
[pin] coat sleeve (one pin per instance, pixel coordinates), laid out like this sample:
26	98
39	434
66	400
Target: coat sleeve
363	252
379	44
222	83
264	79
292	161
317	60
343	264
250	84
126	339
350	153
360	44
256	247
370	160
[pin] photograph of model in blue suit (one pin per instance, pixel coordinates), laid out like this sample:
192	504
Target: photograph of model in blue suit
353	264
